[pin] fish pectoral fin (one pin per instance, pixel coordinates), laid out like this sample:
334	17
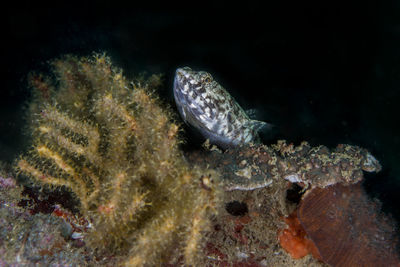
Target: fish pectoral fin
259	125
191	119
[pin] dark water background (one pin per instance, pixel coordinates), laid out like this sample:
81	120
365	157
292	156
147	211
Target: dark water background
326	73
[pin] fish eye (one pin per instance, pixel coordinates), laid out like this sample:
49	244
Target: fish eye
207	79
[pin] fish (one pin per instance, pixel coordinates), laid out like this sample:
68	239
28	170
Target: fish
204	104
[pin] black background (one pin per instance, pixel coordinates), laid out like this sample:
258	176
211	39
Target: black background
327	72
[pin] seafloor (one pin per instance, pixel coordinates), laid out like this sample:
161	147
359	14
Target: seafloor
106	183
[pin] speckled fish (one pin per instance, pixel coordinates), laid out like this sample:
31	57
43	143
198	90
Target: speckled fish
207	106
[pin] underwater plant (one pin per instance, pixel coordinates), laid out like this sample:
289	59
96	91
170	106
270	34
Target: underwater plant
111	143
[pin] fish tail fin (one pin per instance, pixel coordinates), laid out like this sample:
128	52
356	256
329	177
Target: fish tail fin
252	113
261	125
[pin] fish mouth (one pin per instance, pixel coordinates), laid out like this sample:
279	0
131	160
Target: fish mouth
181	77
178	80
179	72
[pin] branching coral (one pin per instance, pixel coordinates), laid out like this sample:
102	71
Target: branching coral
113	145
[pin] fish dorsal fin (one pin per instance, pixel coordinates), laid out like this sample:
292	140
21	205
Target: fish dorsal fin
258	125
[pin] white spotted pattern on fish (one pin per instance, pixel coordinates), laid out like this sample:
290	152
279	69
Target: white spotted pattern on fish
207	106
